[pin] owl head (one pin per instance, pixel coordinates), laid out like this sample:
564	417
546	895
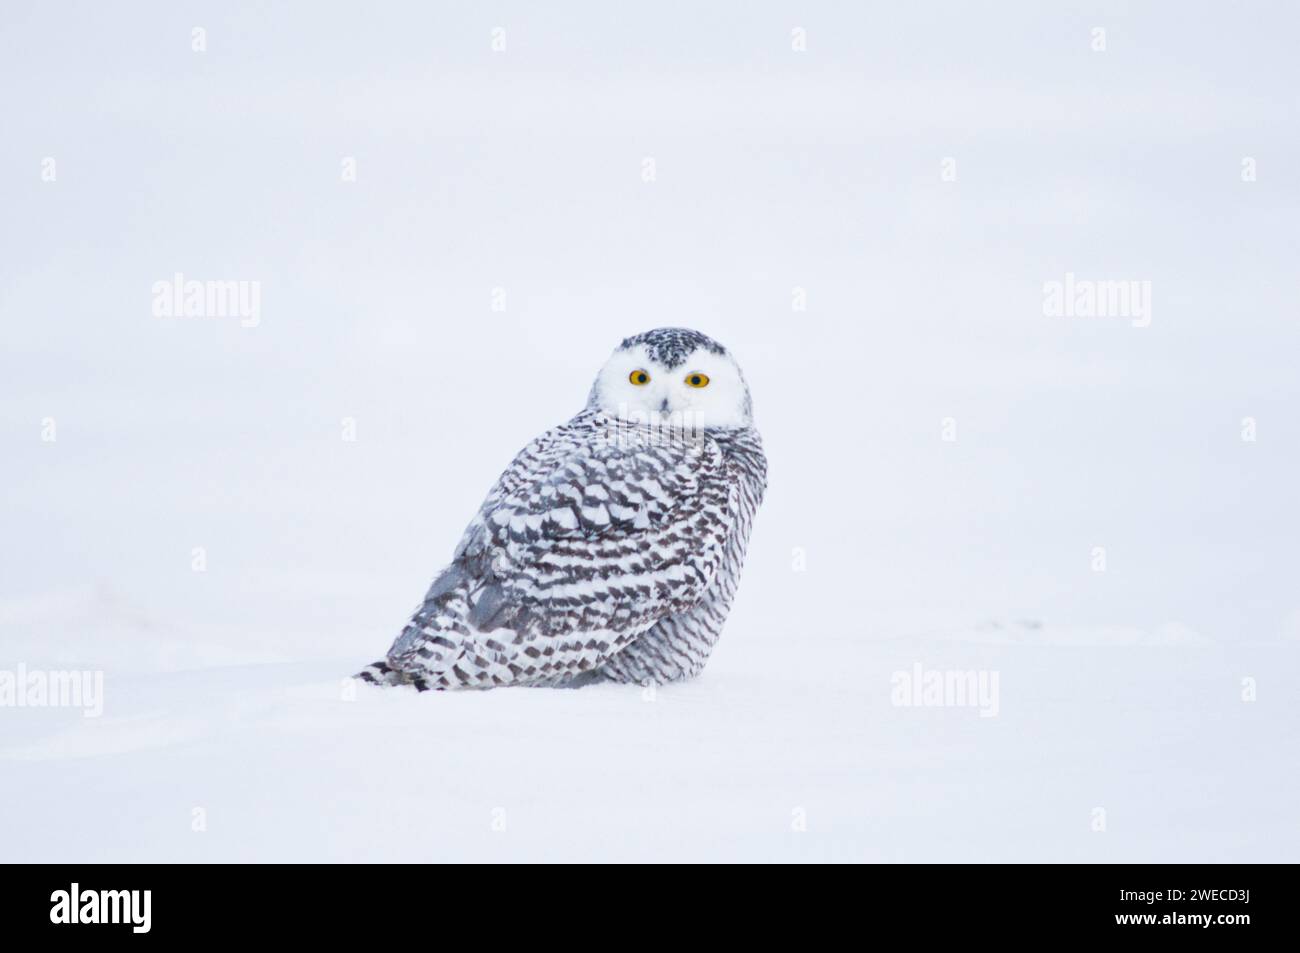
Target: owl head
674	376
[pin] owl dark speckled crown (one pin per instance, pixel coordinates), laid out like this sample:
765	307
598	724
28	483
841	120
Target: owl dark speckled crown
672	346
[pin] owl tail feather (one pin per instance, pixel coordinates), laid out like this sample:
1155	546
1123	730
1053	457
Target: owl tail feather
381	673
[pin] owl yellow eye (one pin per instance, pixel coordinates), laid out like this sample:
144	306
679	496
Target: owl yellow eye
639	377
697	380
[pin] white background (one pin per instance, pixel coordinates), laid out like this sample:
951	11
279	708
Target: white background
776	170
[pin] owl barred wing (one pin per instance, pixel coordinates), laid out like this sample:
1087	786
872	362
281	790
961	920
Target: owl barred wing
622	523
593	534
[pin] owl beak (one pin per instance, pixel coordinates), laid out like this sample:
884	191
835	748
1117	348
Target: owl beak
663	406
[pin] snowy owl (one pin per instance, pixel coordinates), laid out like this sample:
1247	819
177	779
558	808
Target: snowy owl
611	547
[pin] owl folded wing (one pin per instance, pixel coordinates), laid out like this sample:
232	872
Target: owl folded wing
593	534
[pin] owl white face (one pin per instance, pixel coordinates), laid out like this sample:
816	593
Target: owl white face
705	390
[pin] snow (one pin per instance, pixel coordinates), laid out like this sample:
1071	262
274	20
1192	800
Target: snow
234	518
290	761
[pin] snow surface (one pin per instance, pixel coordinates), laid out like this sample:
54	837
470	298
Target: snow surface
289	762
880	545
